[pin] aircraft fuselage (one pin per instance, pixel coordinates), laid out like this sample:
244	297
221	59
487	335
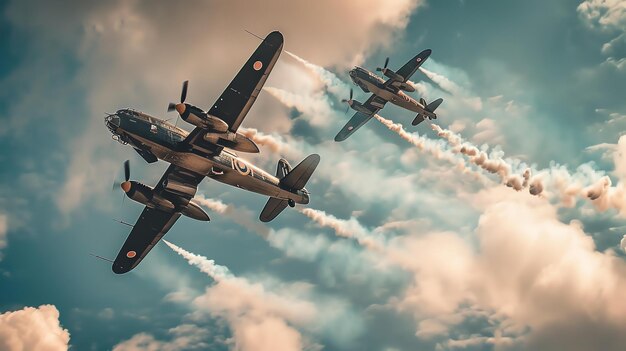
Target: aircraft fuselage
156	137
371	83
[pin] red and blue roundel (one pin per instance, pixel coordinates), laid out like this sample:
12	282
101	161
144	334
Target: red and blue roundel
241	167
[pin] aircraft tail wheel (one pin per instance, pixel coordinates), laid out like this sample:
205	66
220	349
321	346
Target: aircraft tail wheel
291	203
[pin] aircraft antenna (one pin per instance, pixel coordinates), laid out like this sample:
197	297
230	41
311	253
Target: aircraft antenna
100	257
249	32
122	222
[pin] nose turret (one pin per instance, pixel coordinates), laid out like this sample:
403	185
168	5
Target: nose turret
112	122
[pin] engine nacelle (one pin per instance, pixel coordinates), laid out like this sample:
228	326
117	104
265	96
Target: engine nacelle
393	75
357	106
179	188
406	87
194	115
235	141
145	195
192	210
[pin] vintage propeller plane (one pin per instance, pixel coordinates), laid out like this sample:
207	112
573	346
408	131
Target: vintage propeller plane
386	91
203	153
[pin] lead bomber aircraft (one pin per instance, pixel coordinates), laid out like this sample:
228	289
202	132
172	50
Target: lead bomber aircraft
387	91
203	153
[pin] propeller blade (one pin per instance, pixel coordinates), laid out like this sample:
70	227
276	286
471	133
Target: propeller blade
126	170
351	92
386	63
183	94
347	109
171	107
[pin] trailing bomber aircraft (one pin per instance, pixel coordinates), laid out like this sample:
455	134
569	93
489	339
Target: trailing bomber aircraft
387	91
203	153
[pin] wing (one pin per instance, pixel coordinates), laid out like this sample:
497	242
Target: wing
235	102
153	223
410	67
373	105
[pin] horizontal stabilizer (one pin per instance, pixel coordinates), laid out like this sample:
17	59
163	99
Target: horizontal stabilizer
297	178
272	208
433	105
418	119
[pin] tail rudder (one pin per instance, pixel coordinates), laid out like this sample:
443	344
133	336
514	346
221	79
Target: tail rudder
292	180
433	105
283	168
296	179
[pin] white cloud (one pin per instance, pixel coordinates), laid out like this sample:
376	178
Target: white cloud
33	329
183	337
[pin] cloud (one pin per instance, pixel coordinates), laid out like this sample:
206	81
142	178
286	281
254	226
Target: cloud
33	328
607	16
259	319
554	294
183	337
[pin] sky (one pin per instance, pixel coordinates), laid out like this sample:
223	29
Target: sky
497	226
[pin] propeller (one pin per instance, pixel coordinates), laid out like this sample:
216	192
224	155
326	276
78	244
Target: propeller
384	67
349	101
125	185
183	96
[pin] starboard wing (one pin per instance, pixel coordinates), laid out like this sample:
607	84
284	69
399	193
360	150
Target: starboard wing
154	223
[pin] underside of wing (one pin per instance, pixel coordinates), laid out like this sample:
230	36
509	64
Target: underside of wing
149	229
235	102
175	189
358	120
411	67
372	105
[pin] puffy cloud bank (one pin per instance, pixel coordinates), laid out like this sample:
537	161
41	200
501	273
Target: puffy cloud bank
33	328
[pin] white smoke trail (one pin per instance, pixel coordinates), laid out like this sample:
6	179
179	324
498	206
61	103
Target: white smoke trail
251	311
347	229
334	85
482	159
584	183
275	143
315	106
428	145
243	217
215	271
443	82
212	204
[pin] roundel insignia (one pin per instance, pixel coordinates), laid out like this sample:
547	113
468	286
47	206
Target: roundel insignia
350	127
419	59
131	254
241	167
257	65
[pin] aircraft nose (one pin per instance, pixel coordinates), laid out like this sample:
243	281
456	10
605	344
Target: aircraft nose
112	121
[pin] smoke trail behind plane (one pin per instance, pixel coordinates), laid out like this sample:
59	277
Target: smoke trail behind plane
243	217
556	181
344	228
275	144
335	85
443	82
205	265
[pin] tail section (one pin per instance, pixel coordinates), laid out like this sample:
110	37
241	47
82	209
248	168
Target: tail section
297	178
282	169
429	111
292	180
433	105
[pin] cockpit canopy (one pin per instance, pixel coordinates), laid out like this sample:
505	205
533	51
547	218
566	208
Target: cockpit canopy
130	113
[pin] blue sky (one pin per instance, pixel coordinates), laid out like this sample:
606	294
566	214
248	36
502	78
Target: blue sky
409	246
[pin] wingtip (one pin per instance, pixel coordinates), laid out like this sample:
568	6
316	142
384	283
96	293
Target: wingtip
275	37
